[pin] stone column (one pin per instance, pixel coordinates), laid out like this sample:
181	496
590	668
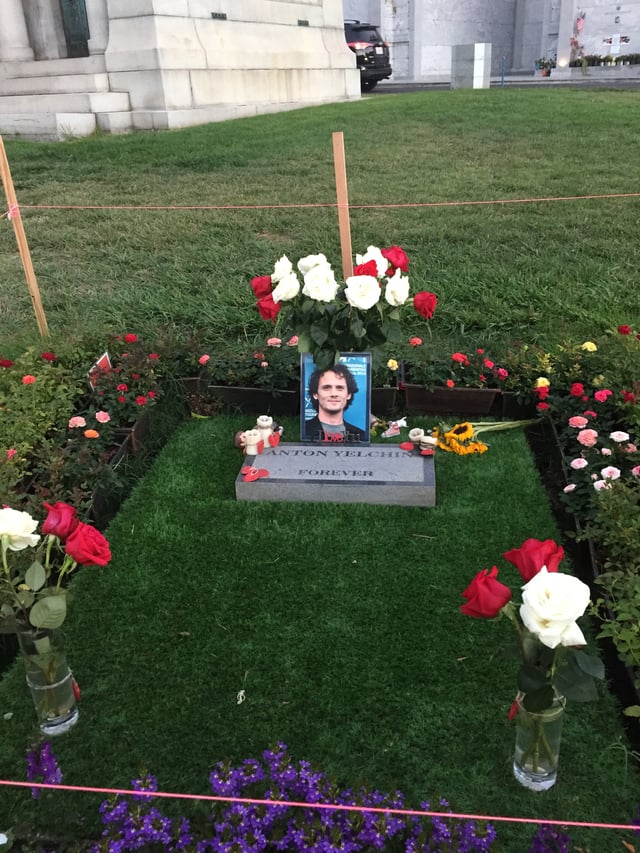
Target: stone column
14	39
98	19
565	31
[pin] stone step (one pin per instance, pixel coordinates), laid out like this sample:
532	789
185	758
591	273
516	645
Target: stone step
47	126
61	84
78	102
52	67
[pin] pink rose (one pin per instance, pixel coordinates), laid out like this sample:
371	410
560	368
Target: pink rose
11	452
76	422
578	463
605	451
599	485
204	359
29	379
103	417
274	342
264	364
636	471
502	373
293	341
587	437
630	448
601	396
610	473
415	342
570	488
578	422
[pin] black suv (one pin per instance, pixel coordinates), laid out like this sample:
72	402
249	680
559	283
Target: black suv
372	53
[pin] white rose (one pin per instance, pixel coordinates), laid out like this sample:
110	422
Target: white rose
320	283
610	473
287	288
373	253
362	291
311	261
283	268
18	527
551	602
397	289
618	436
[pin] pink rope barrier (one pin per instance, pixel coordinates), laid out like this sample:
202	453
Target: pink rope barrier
326	806
292	206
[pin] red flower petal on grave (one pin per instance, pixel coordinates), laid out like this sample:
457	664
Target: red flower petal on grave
261	445
262	472
76	689
245	469
252	475
274	439
428	451
406	445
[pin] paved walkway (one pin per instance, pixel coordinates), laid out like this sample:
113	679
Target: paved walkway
519	81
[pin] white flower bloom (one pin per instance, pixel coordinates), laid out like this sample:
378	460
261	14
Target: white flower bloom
362	291
605	451
287	288
619	436
551	602
320	283
571	487
282	268
4	839
397	289
373	253
311	261
18	527
599	485
610	473
578	463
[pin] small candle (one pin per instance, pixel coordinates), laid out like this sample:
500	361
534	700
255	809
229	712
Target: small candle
252	438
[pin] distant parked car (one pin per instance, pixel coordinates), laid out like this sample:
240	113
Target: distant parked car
372	53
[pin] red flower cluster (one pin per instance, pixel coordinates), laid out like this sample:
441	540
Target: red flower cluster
82	542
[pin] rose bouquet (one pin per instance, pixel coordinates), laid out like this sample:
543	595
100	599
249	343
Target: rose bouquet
553	667
35	566
363	314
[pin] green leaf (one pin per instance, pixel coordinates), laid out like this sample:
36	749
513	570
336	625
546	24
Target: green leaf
319	333
539	700
35	576
589	664
632	711
531	679
49	612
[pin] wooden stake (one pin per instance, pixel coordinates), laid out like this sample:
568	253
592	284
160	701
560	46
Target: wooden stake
340	168
21	237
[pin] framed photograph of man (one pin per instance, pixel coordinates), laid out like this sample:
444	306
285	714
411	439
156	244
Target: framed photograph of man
335	403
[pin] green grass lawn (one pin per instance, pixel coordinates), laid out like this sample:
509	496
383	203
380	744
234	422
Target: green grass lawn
342	625
543	271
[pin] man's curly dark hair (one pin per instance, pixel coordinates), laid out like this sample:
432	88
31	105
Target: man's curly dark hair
340	370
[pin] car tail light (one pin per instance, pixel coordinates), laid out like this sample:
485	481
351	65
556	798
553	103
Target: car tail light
359	45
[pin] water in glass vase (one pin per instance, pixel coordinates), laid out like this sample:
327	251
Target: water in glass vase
49	679
538	736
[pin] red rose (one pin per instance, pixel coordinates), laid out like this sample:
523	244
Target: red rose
135	376
370	268
261	285
628	397
141	400
153	355
396	257
268	308
542	406
87	546
624	329
460	357
485	595
122	399
415	342
425	304
48	356
60	521
577	389
151	394
6	362
122	387
533	554
130	339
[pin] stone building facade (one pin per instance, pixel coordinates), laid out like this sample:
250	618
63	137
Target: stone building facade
71	66
421	33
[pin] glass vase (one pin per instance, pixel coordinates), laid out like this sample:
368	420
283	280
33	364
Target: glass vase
538	736
49	679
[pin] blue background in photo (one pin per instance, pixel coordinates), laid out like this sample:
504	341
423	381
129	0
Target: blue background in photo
358	412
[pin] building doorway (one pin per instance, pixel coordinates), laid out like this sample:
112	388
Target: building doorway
76	27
